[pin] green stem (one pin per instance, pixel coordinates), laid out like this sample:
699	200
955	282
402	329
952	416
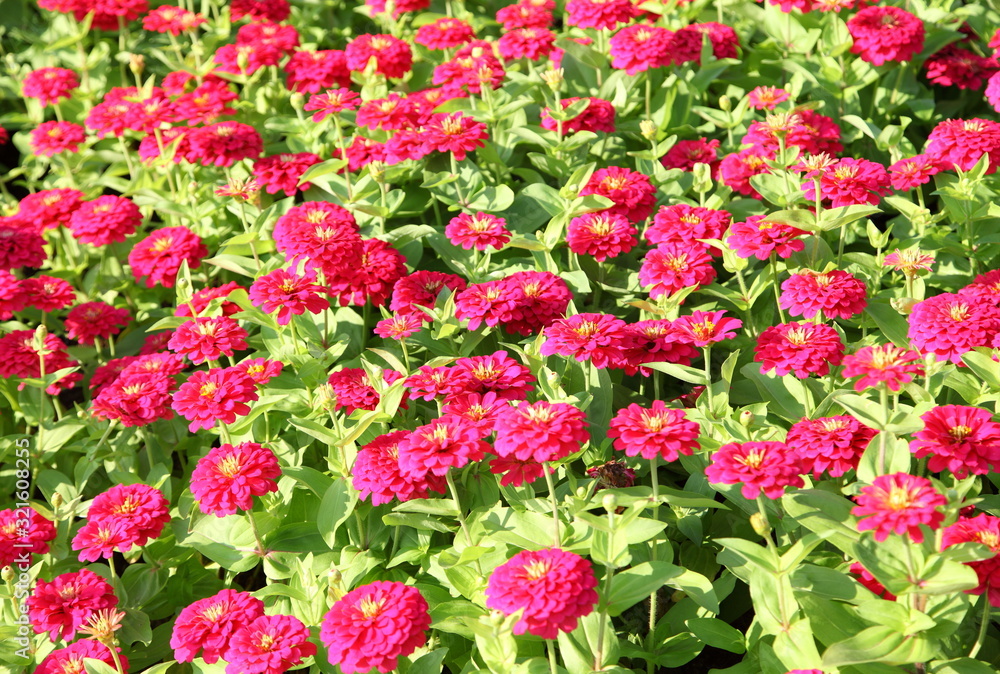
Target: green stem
984	625
555	503
261	550
883	396
550	646
458	508
708	380
777	287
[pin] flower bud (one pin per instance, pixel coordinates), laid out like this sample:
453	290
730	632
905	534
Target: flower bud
325	397
746	418
8	574
57	500
610	502
648	129
904	305
38	342
553	78
760	524
137	64
725	103
377	171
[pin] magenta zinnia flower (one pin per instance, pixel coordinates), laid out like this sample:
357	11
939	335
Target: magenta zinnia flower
960	439
477	230
95	320
601	235
208	339
704	328
594	337
672	266
271	644
766	467
69	660
376	473
658	430
835	293
553	587
759	237
899	503
829	444
228	477
65	605
802	348
217	395
949	325
983	529
287	293
374	625
849	182
883	363
540	431
208	624
884	33
445	443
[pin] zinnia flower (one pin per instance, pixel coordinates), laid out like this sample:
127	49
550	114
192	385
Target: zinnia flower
105	220
374	625
766	467
654	431
477	230
883	363
434	448
208	339
885	33
899	503
704	328
849	182
632	193
983	529
829	444
287	293
63	606
23	531
271	644
553	587
961	143
95	320
228	477
376	473
950	325
602	235
835	293
216	395
69	660
540	431
673	266
593	337
208	625
960	439
802	348
393	57
158	257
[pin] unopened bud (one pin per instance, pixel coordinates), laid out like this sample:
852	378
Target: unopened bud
648	129
243	59
336	589
137	64
725	104
326	398
746	418
904	305
376	170
610	502
553	78
57	500
760	524
38	342
8	574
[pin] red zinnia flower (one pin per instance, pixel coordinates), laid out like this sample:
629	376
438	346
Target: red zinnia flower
913	171
766	467
13	295
91	320
477	230
393	57
657	341
537	299
282	172
16	539
949	325
632	193
497	373
479	409
983	529
428	382
899	503
142	507
686	153
398	326
135	399
354	391
830	444
883	363
208	339
455	133
540	431
672	266
421	289
201	300
594	337
224	143
374	625
269	10
960	439
802	348
448	442
331	102
603	235
554	589
657	430
261	370
766	98
208	624
158	257
218	394
287	293
20	247
640	47
228	477
105	220
312	71
324	233
376	473
885	33
599	115
444	33
529	43
19	357
849	182
953	66
63	606
600	14
50	208
371	276
173	20
271	644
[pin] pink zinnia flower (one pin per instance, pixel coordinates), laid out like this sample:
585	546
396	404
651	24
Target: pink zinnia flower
331	102
554	589
69	660
602	235
95	540
374	625
594	337
681	223
759	237
949	325
228	477
540	431
421	289
766	98
271	644
107	219
393	57
208	339
281	173
802	348
208	625
456	133
912	172
829	444
398	326
899	503
766	467
216	395
95	320
326	234
983	529
353	389
142	507
434	448
654	431
63	606
496	373
704	328
287	293
261	370
672	266
477	230
639	47
159	256
960	439
849	182
600	14
51	138
49	85
960	143
885	33
632	193
883	363
835	293
17	539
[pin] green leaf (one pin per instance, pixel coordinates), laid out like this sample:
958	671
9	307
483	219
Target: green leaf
633	585
878	644
337	505
717	634
889	322
428	663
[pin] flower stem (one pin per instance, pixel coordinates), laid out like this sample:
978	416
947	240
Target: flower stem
458	508
550	645
708	380
547	469
984	625
883	395
261	551
777	288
